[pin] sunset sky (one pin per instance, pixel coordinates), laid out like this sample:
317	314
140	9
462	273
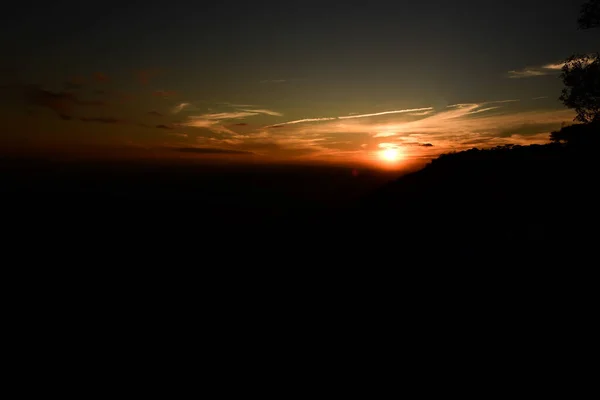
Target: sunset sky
328	80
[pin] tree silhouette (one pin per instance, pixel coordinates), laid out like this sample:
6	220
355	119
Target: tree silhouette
590	15
578	134
581	73
581	76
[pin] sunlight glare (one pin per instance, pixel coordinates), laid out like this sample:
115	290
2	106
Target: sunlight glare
390	155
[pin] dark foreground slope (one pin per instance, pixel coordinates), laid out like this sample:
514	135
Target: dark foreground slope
490	201
501	197
195	207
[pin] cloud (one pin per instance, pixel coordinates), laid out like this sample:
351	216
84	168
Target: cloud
386	113
155	113
210	150
547	69
500	101
353	116
179	107
266	145
241	124
273	81
539	98
223	115
162	126
483	110
266	112
212	125
419	114
528	73
214	121
555	66
456	127
529	128
299	121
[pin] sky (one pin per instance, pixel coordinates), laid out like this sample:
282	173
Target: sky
307	81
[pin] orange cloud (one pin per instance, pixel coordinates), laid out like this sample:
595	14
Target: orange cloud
456	127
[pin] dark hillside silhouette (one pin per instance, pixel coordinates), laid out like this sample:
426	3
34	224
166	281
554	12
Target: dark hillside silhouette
500	196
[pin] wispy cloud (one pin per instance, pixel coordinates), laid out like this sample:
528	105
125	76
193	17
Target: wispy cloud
214	121
529	73
223	116
459	126
456	127
501	101
420	114
273	81
179	107
299	121
547	69
353	116
266	112
554	66
386	113
483	110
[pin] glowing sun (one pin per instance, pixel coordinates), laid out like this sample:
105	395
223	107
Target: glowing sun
390	155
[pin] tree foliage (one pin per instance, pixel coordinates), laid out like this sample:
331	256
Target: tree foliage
577	134
581	77
590	15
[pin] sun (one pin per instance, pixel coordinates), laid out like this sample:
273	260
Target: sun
390	155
